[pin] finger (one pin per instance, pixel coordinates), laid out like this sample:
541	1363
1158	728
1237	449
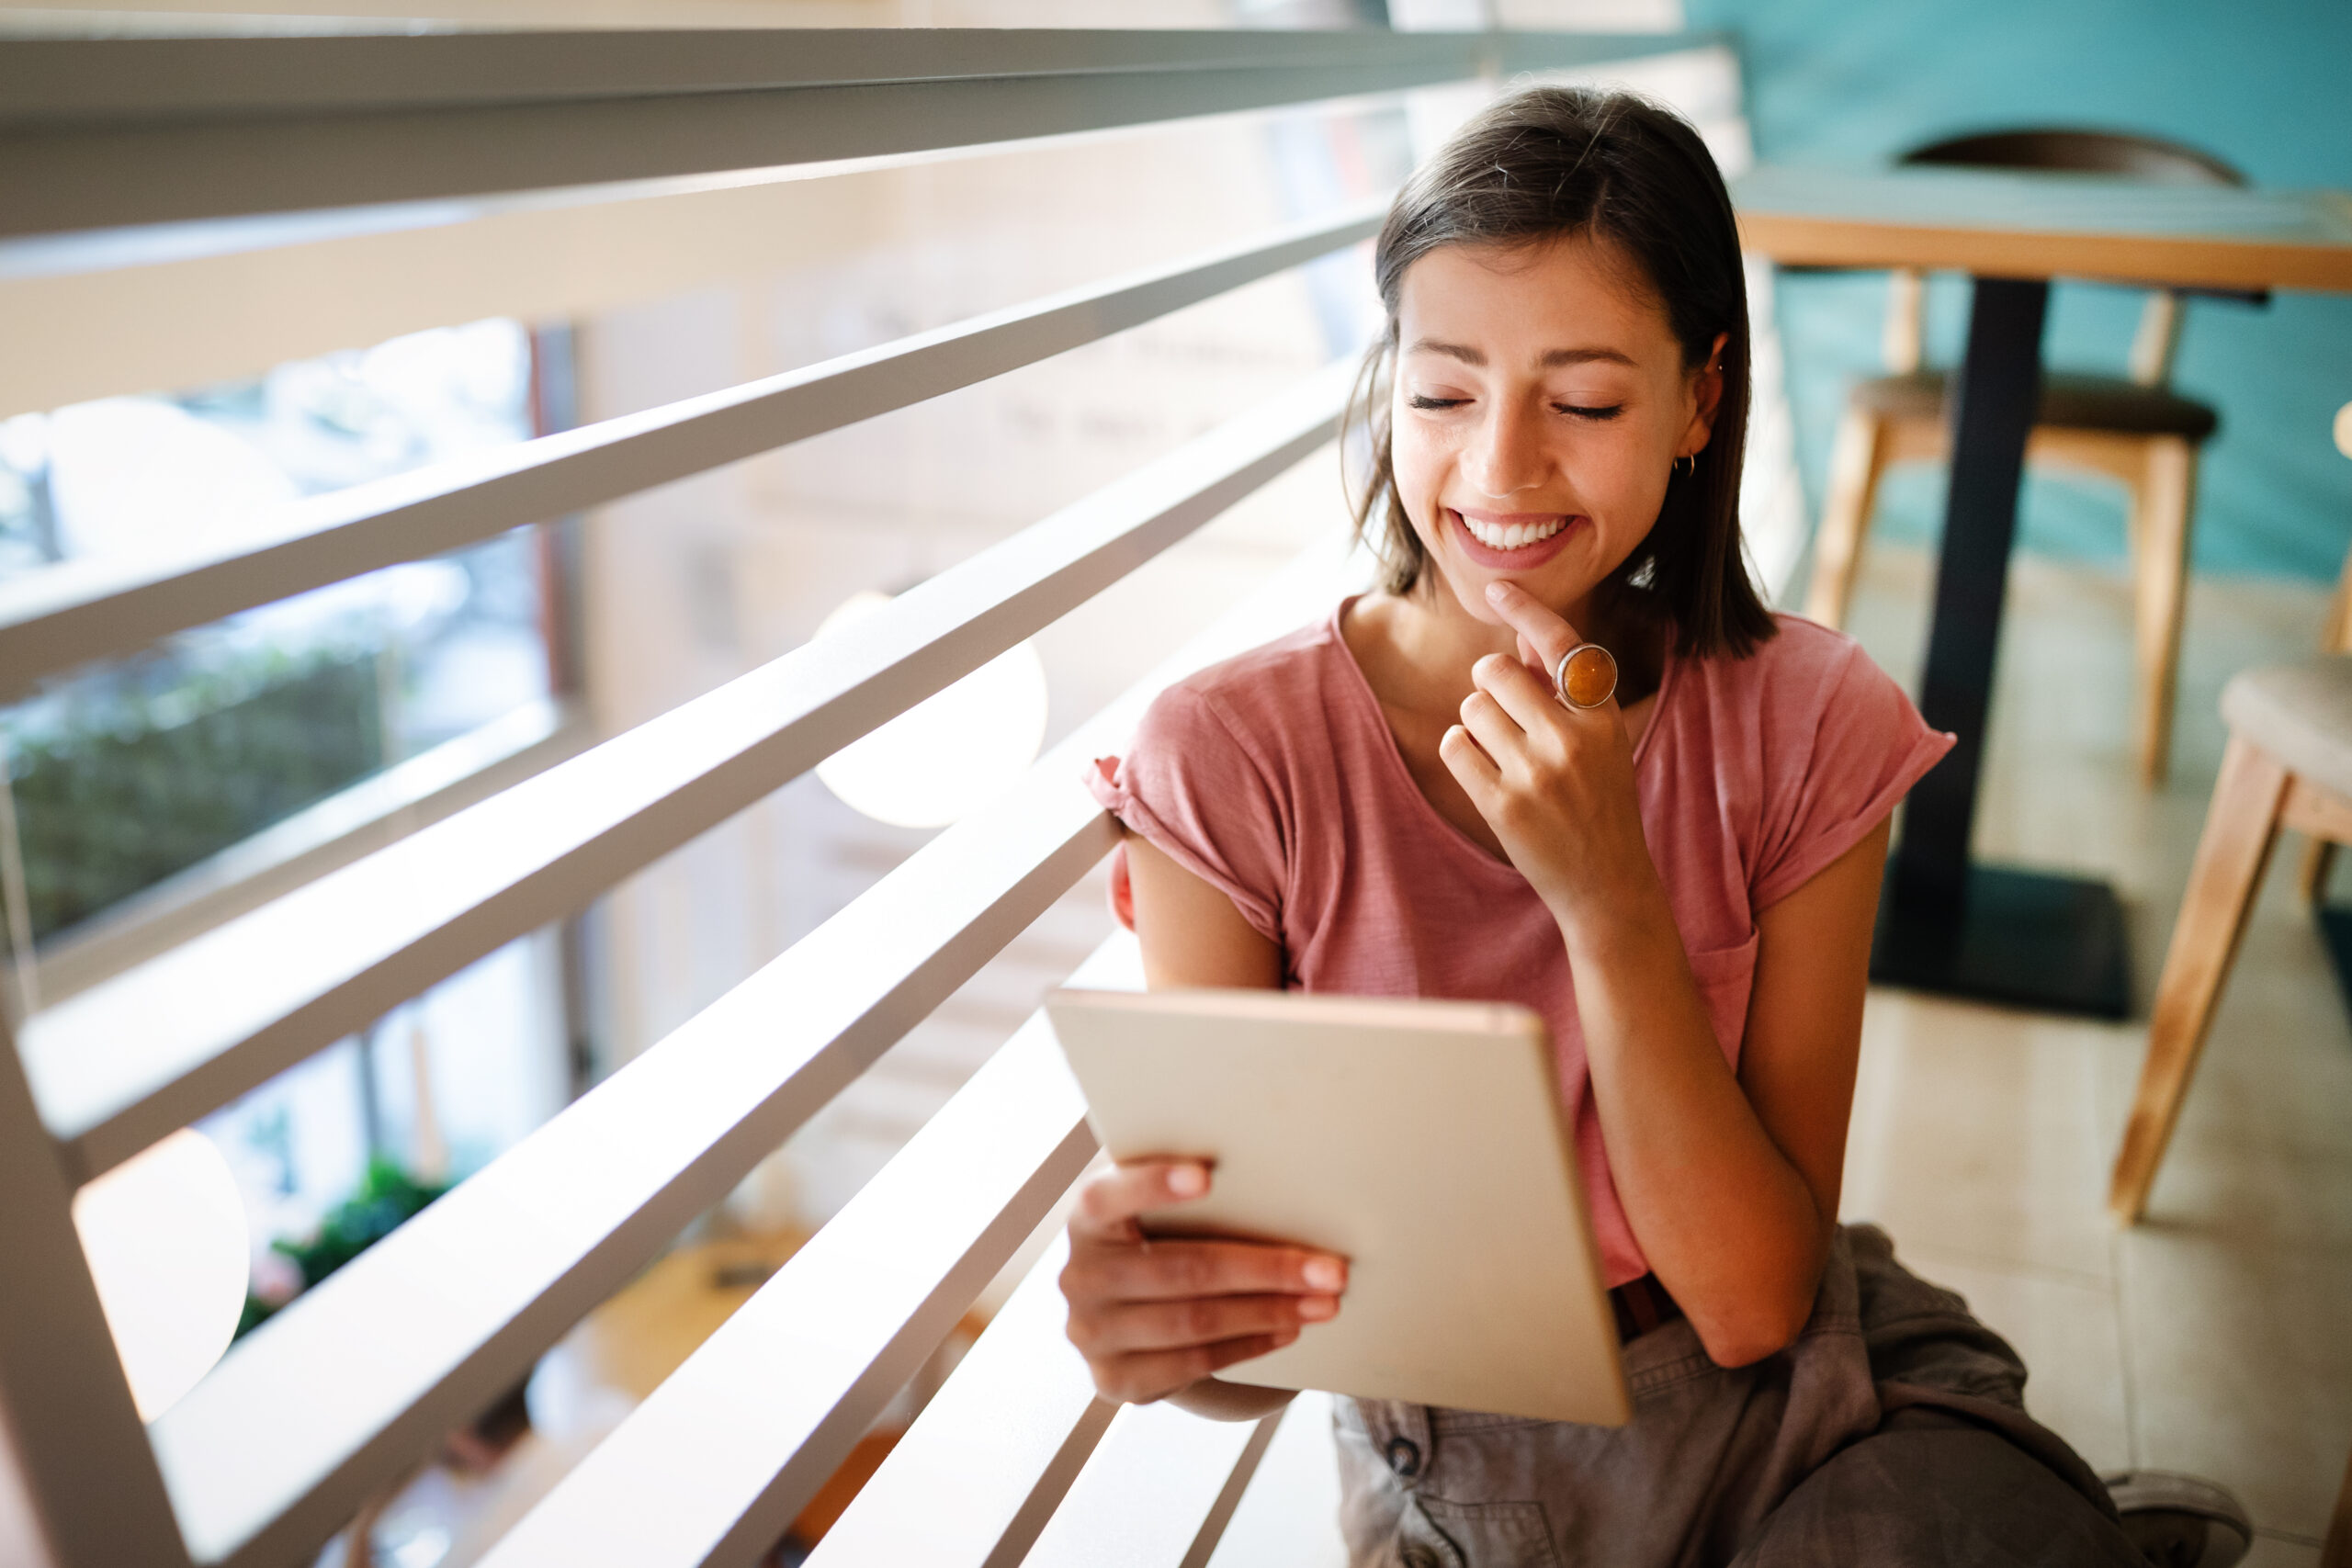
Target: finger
1108	1204
1174	1270
1534	621
1177	1326
1527	697
1498	733
1140	1380
1472	768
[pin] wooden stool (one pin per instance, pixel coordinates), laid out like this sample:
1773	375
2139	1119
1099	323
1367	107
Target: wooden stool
2130	429
2289	765
2335	637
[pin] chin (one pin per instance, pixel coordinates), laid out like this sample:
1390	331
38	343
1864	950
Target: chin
1467	584
1471	594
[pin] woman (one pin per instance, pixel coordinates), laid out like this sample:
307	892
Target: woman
1416	799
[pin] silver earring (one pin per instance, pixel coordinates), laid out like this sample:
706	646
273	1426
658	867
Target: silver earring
1686	465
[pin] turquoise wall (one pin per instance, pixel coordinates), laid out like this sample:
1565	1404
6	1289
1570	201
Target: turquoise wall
2265	83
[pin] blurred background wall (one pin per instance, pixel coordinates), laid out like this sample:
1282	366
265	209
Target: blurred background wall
2259	83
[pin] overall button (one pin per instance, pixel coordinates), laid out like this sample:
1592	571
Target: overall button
1404	1457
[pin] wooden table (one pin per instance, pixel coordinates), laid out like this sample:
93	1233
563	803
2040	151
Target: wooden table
1945	923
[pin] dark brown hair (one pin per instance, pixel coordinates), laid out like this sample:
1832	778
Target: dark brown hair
1548	163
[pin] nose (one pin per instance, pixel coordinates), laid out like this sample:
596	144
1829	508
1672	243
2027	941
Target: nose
1506	453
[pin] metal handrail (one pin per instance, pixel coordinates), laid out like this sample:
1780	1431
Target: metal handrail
65	615
291	1431
128	1061
1004	1437
830	1340
110	134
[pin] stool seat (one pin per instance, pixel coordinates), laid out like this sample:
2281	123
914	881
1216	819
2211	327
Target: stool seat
2300	714
2068	401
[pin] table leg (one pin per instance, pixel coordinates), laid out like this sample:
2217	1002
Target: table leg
1945	923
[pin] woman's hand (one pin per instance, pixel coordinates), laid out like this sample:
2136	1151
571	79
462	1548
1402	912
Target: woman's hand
1151	1318
1554	783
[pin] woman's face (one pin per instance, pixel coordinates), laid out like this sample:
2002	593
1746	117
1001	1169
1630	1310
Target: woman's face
1539	403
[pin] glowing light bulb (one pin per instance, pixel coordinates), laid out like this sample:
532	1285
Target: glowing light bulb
951	751
164	1233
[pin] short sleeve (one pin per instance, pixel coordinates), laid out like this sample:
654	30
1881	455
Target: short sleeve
1190	785
1856	755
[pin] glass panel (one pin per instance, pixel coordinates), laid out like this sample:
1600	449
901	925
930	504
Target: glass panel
128	772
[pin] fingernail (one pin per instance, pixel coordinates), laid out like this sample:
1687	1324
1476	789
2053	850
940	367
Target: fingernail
1188	1181
1497	590
1315	1309
1324	1274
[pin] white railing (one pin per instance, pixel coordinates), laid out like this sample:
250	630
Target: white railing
338	1396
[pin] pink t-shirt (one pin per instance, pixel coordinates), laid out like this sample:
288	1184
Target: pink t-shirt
1274	776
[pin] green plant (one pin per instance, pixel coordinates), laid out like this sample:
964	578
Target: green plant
389	1197
117	790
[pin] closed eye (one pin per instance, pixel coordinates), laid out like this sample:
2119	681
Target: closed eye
1610	411
1417	401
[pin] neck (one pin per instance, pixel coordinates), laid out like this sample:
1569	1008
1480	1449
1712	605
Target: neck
1436	634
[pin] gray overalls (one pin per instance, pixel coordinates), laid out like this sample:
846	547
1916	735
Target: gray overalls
1892	1432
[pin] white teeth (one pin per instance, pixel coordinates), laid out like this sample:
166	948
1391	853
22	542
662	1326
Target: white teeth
1513	536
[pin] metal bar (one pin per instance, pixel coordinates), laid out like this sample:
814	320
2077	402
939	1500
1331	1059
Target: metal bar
130	131
128	1061
1157	1492
66	615
117	80
305	1417
272	1451
1991	412
379	810
1947	923
829	1341
992	1456
81	1452
184	305
1290	1511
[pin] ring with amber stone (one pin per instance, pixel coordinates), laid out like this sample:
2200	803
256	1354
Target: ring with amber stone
1586	676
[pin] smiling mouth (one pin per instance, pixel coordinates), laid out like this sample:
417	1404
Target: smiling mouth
1510	535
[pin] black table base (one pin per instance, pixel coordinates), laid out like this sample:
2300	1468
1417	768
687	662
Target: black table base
2335	931
2026	939
2022	938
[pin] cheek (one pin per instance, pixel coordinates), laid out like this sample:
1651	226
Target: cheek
1625	476
1417	458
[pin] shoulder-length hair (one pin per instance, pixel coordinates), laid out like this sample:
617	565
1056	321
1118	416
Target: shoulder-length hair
1548	163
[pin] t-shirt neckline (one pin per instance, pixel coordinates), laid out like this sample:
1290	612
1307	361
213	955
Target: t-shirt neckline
1402	776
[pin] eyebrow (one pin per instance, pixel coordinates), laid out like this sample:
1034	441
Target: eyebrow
1553	360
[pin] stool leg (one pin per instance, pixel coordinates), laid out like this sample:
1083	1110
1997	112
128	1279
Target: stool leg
1854	468
2240	827
2168	495
2336	1552
2335	632
2335	637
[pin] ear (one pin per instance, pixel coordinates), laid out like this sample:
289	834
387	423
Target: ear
1707	397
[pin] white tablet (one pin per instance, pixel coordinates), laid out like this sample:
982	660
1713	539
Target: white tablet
1423	1141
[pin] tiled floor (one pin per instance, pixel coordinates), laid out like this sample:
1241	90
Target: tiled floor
2216	1337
